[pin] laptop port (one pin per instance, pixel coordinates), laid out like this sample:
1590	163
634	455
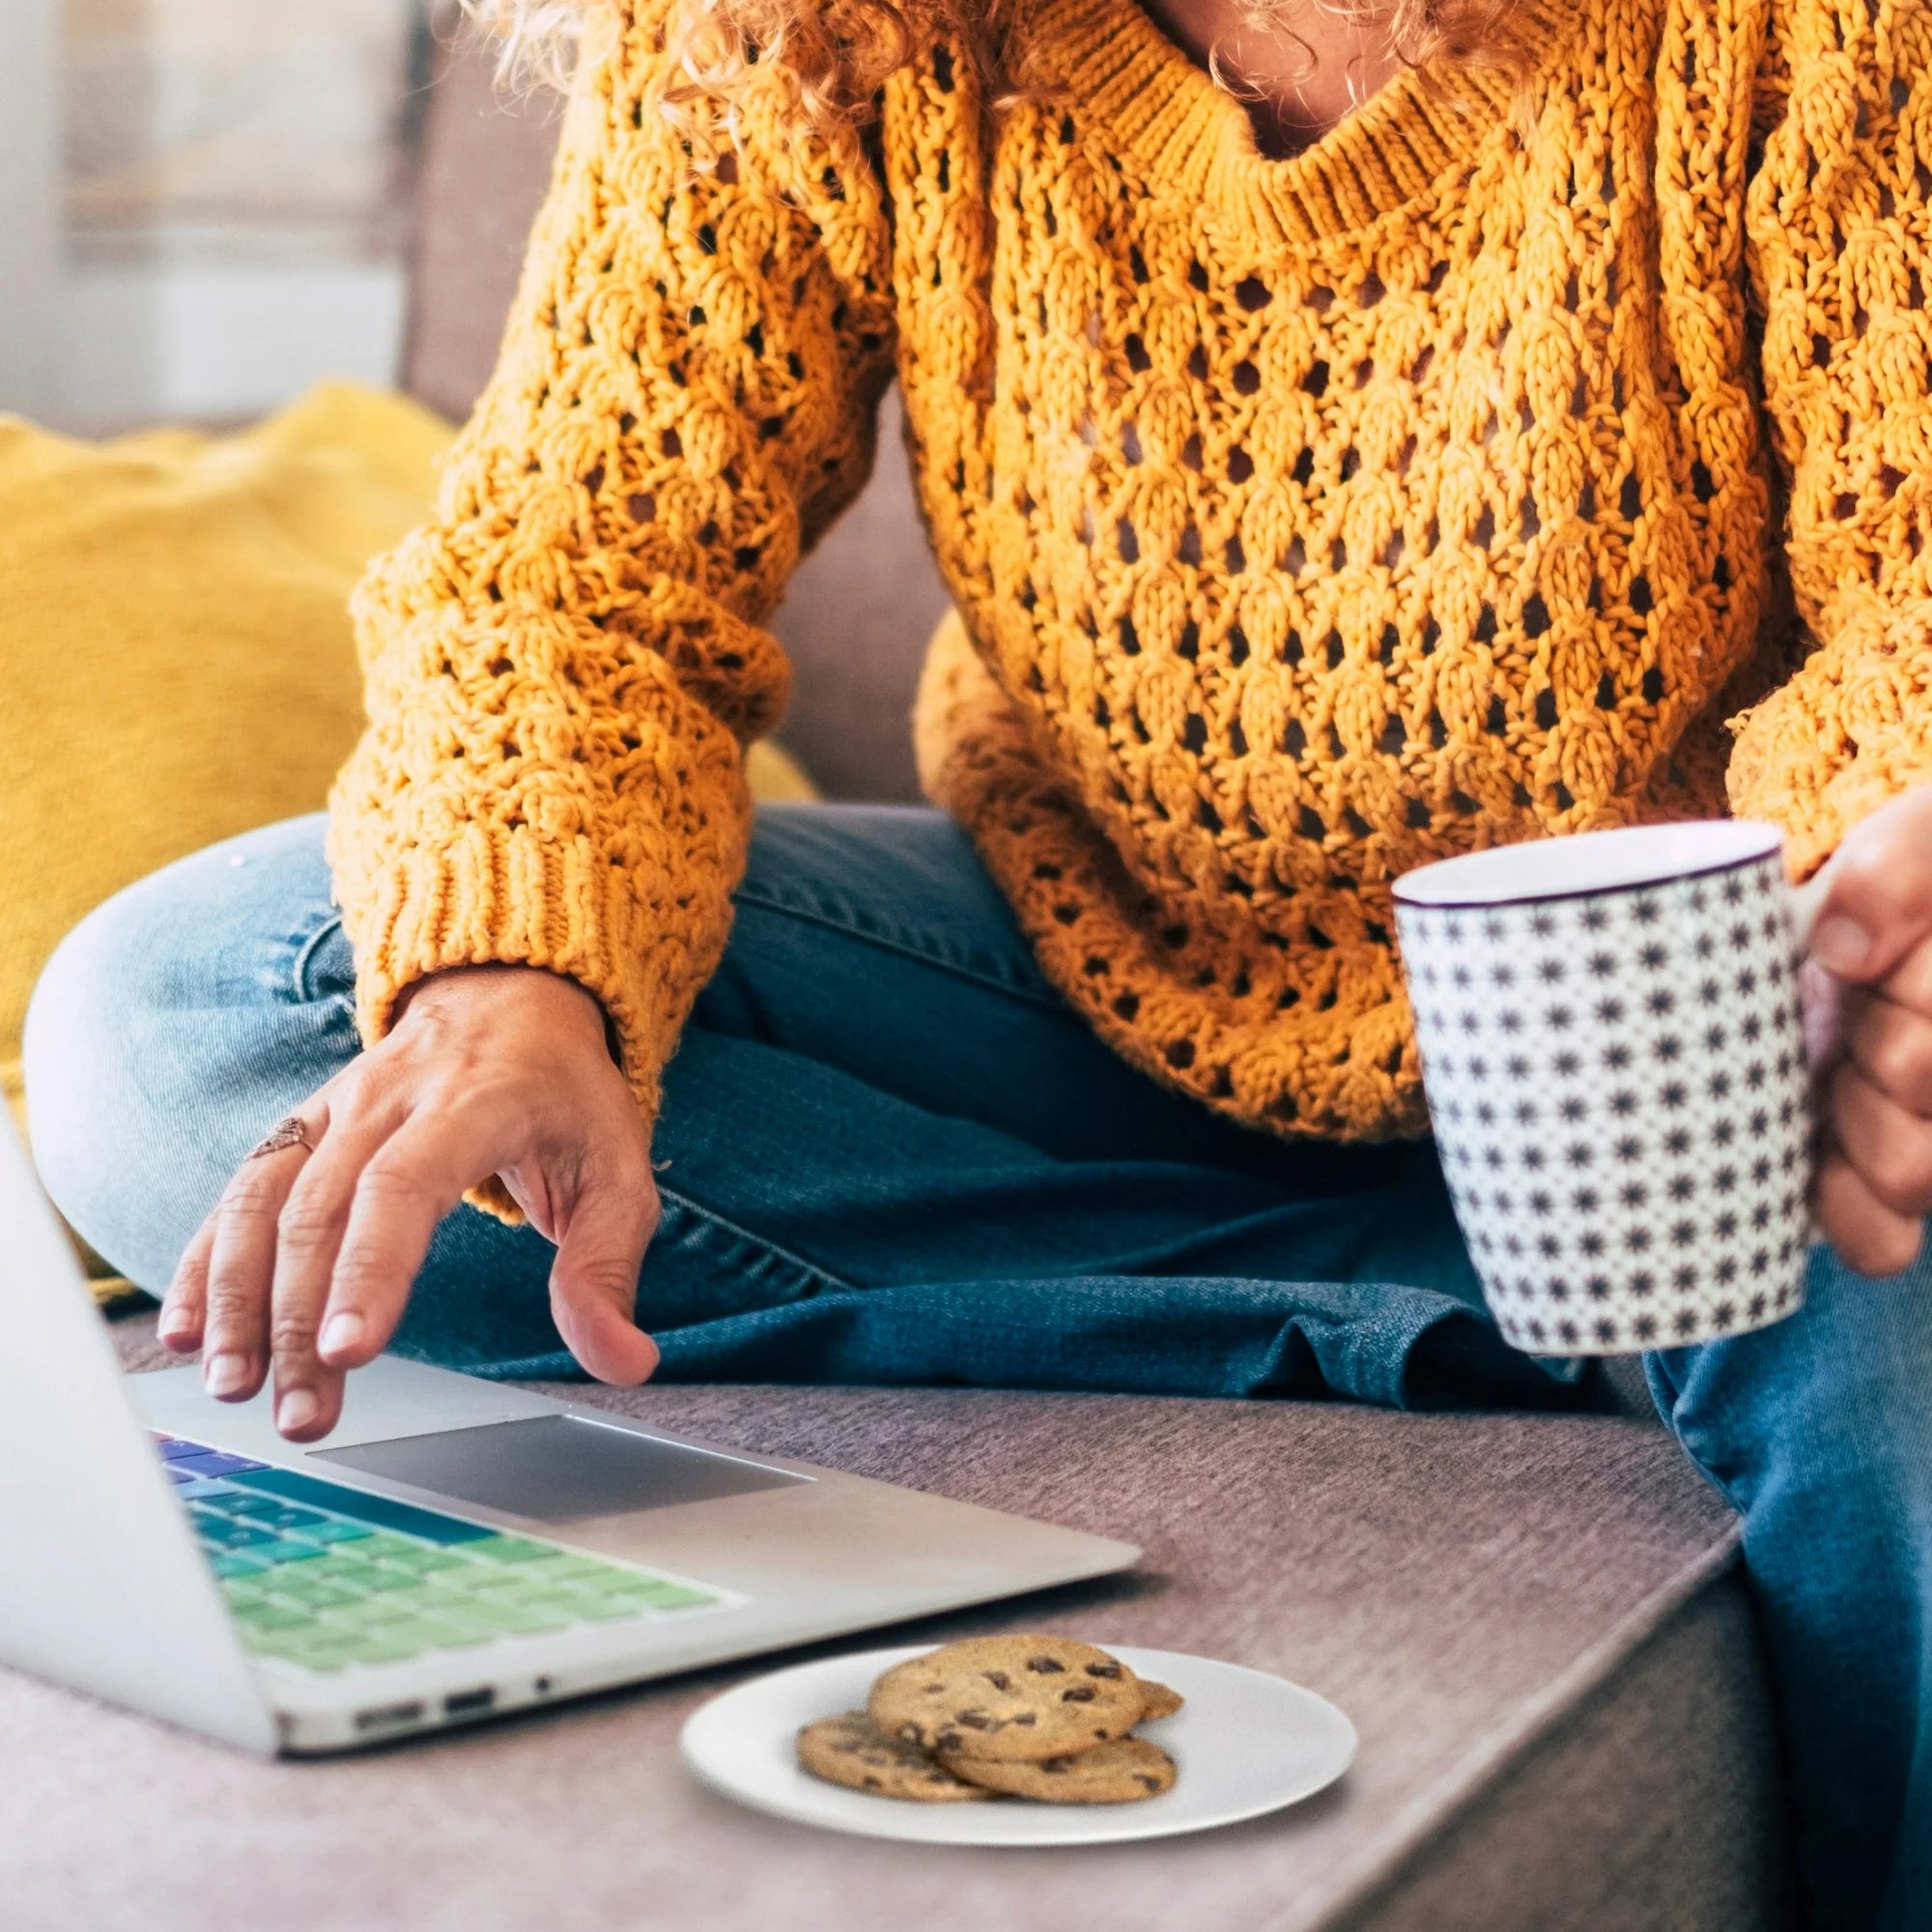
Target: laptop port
384	1716
459	1703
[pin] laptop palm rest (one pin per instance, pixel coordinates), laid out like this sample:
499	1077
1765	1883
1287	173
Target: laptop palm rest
557	1469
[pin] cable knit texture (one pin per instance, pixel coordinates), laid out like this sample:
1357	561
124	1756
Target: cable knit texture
1467	478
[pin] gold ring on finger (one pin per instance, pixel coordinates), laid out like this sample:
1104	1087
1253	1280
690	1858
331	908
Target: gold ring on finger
285	1133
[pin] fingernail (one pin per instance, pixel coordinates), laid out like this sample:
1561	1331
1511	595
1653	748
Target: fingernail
224	1374
297	1411
177	1326
1841	944
341	1333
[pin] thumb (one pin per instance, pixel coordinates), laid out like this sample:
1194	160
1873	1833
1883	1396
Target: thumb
593	1282
1876	902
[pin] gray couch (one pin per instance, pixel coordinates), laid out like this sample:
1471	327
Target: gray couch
1535	1621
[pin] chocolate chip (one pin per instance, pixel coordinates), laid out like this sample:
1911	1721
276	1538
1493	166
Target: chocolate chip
974	1721
1103	1671
1152	1783
1078	1693
1056	1765
1045	1665
999	1680
948	1741
1026	1718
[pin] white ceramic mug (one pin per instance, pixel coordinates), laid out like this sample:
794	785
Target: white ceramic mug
1613	1056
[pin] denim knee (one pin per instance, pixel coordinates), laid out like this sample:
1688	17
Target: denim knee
160	1031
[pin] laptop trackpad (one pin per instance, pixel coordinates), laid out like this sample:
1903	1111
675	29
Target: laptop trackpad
558	1468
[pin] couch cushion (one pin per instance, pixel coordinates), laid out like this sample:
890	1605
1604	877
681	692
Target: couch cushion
859	611
1468	1588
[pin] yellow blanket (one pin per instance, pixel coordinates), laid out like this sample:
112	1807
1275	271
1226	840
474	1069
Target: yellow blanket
175	655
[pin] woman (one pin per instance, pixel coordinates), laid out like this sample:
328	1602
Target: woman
1349	440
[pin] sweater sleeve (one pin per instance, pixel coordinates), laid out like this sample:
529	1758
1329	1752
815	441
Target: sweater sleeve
563	668
1838	224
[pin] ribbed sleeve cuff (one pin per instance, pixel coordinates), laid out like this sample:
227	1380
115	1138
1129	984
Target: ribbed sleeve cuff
488	895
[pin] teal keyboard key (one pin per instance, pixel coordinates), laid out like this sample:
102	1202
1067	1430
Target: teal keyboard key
225	1499
283	1516
338	1531
238	1566
381	1511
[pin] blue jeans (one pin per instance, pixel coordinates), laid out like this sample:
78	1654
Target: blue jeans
888	1153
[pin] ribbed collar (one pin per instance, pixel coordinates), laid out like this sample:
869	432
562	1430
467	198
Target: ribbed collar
1188	136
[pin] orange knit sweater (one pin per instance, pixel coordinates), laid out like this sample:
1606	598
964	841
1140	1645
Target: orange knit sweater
1452	483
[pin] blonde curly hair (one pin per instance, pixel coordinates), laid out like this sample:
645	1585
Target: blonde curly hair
835	53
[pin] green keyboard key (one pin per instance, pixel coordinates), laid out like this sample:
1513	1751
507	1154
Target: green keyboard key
271	1617
346	1572
386	1542
669	1596
513	1549
516	1619
383	1578
367	1613
604	1610
434	1634
310	1591
569	1569
375	1650
423	1559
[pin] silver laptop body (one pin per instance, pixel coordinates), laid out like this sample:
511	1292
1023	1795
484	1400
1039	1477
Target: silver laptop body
544	1549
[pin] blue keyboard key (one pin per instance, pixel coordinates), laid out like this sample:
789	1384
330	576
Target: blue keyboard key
199	1488
213	1463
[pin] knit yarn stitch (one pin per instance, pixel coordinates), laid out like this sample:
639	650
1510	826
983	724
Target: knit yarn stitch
1452	483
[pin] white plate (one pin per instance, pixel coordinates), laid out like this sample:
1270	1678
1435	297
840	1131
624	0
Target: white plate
1246	1743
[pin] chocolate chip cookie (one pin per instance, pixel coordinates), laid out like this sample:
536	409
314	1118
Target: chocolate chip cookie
1010	1699
852	1751
1116	1773
1158	1701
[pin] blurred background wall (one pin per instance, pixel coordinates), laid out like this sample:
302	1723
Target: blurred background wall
201	202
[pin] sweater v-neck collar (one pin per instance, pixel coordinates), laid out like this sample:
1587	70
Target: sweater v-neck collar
1185	134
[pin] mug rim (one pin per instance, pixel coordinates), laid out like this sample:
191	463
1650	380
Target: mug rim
1768	841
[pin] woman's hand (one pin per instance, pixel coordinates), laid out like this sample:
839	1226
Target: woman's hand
1872	1010
306	1262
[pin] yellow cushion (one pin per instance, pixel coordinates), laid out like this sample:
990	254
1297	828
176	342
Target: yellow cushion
175	653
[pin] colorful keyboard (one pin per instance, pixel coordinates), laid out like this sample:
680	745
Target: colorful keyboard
321	1576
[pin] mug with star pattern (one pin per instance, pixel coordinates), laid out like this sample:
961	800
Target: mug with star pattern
1613	1056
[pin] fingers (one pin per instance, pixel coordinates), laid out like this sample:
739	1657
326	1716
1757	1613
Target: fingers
241	1270
404	1190
1878	901
1869	1236
1890	1147
1890	1045
593	1282
309	1234
184	1306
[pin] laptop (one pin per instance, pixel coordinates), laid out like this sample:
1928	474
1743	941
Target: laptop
455	1550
